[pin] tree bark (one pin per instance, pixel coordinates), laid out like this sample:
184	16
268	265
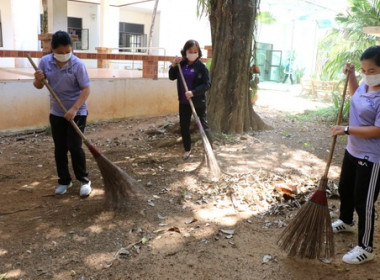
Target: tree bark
150	39
229	106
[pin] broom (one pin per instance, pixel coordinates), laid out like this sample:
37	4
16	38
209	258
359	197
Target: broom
310	234
210	157
118	185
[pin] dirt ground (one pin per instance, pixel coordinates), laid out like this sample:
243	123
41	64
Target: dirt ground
186	227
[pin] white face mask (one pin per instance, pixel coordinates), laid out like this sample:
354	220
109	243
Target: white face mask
62	57
192	56
371	80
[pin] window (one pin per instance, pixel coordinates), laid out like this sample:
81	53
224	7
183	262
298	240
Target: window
1	33
80	36
132	36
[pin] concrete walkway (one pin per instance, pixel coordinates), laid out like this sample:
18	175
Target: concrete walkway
287	98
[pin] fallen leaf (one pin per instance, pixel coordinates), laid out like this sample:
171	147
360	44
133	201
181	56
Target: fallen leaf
288	189
326	261
191	221
176	229
144	240
267	258
228	231
105	266
161	217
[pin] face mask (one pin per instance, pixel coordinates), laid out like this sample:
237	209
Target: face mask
62	57
192	56
371	80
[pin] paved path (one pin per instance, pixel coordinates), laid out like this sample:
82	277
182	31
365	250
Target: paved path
287	98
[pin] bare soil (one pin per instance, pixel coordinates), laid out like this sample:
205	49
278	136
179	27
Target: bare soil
187	227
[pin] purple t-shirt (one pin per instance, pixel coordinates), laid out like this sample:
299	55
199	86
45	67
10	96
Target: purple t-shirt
67	82
364	111
189	75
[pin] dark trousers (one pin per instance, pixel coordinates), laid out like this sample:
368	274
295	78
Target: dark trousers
67	139
286	77
359	188
184	122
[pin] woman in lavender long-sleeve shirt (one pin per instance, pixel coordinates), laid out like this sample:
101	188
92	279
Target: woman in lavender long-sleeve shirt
68	77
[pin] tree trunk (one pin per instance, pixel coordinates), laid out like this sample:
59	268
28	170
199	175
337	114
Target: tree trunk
150	42
229	105
44	24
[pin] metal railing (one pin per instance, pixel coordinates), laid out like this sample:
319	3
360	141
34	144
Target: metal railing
136	64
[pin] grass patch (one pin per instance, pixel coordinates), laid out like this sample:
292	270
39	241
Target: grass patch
326	115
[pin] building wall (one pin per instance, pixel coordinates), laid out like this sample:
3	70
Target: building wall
179	23
17	34
90	20
176	22
24	107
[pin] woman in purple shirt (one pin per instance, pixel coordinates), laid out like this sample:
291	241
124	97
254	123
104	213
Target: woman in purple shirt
68	77
359	180
198	82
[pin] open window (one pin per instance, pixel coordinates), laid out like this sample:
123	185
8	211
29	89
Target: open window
132	37
75	28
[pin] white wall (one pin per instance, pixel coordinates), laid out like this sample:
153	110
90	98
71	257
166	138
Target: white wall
90	17
176	22
17	34
179	23
6	20
25	107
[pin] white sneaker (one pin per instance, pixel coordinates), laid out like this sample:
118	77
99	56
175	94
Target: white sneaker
85	189
61	189
358	255
340	226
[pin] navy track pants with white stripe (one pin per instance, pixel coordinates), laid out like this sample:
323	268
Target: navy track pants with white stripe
358	189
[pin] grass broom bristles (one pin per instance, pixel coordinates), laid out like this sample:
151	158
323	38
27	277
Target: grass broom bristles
309	234
118	185
211	161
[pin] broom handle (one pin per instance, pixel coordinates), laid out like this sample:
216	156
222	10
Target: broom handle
338	121
75	126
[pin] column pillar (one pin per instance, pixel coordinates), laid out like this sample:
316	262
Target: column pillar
103	63
24	34
56	20
150	68
57	15
208	48
109	31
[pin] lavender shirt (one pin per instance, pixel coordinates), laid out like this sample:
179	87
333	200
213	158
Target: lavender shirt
365	111
67	82
189	75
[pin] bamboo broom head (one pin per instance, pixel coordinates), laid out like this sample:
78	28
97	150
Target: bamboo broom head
212	163
309	234
118	185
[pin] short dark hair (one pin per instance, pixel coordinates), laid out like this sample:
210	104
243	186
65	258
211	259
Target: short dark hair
188	45
372	53
60	38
